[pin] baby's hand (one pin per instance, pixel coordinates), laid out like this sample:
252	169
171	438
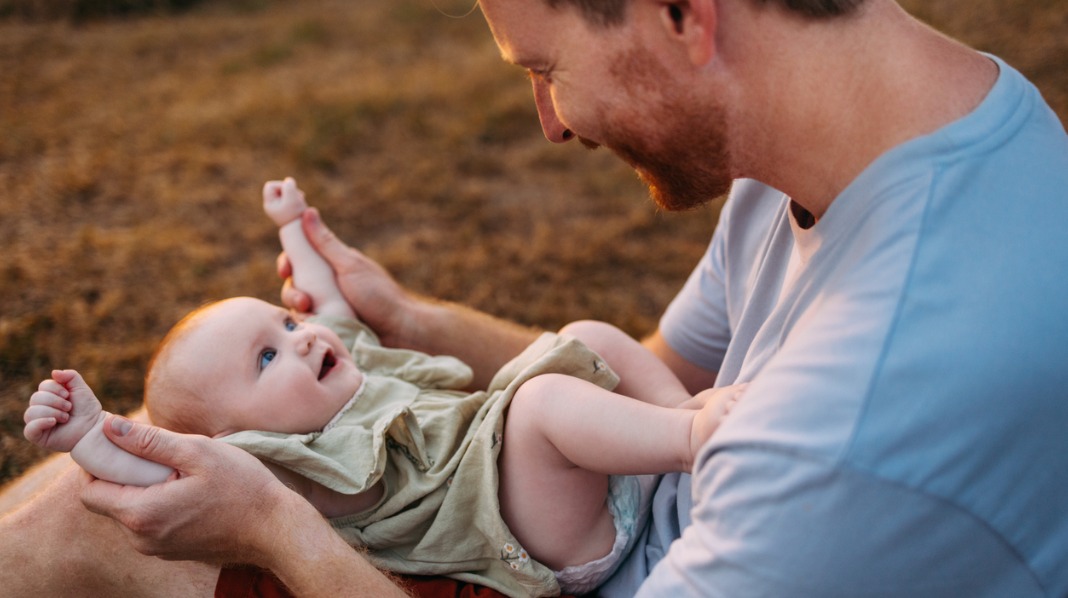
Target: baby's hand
713	405
61	412
283	201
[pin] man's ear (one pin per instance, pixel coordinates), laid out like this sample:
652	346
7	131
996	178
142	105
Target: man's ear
693	23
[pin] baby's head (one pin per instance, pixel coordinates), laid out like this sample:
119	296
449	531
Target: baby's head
244	364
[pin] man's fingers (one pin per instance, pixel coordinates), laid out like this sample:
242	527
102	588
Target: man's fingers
323	239
284	267
295	299
120	503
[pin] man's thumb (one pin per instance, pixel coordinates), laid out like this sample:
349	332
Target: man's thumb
149	442
322	238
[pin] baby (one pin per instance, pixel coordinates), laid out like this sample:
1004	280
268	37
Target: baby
526	487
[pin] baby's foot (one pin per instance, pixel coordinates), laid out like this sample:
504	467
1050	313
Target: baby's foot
61	412
283	201
718	402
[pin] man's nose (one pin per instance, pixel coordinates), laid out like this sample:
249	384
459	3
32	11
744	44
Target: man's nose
554	130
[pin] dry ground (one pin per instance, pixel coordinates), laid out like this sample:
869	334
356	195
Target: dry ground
132	153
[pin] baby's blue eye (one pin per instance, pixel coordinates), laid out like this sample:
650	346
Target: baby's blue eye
266	357
290	324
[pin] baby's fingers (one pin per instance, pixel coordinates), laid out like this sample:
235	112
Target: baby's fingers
70	379
51	399
38	412
54	387
36	429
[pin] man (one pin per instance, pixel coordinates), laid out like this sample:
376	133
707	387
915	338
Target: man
887	275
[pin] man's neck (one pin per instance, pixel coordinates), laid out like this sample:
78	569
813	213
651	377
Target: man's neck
839	94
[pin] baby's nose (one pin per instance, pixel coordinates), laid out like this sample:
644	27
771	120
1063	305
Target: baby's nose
306	340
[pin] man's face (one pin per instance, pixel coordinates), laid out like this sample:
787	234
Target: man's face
609	88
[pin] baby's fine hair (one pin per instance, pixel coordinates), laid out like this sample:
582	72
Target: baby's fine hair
174	400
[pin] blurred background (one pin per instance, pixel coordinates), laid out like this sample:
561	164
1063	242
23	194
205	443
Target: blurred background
135	136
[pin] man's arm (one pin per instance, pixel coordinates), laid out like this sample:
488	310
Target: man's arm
312	560
226	507
693	377
404	320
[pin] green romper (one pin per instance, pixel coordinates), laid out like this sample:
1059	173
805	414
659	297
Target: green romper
435	447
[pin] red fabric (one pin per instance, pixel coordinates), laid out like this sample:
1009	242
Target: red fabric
244	582
443	587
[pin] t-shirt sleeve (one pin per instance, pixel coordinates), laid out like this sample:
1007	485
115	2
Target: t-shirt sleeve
696	323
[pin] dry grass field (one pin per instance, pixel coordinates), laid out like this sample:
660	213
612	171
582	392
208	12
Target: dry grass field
132	152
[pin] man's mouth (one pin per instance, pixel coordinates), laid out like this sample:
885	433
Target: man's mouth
329	361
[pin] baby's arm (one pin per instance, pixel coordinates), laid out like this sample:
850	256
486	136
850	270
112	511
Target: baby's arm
65	416
284	203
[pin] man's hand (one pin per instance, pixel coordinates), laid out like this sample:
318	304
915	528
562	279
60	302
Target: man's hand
376	298
226	507
402	319
221	508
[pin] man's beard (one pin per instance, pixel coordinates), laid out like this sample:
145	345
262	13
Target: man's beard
687	172
677	146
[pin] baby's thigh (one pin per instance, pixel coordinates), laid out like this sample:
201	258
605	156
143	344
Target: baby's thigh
556	510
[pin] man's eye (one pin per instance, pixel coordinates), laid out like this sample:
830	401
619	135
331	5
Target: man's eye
266	357
291	324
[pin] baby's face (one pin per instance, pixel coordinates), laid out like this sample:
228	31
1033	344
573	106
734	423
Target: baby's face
265	370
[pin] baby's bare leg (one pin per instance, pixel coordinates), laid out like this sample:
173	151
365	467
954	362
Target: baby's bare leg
61	549
642	375
563	436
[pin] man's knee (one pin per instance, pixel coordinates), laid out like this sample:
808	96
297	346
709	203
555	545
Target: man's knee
33	482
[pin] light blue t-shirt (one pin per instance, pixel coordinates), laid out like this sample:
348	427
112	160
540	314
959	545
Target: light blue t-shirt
905	431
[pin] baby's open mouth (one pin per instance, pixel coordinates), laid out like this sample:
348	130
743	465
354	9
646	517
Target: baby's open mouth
329	361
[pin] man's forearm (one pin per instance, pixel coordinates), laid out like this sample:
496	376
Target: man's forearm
693	377
482	341
312	560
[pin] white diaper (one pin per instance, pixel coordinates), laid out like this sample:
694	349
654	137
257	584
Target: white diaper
628	504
